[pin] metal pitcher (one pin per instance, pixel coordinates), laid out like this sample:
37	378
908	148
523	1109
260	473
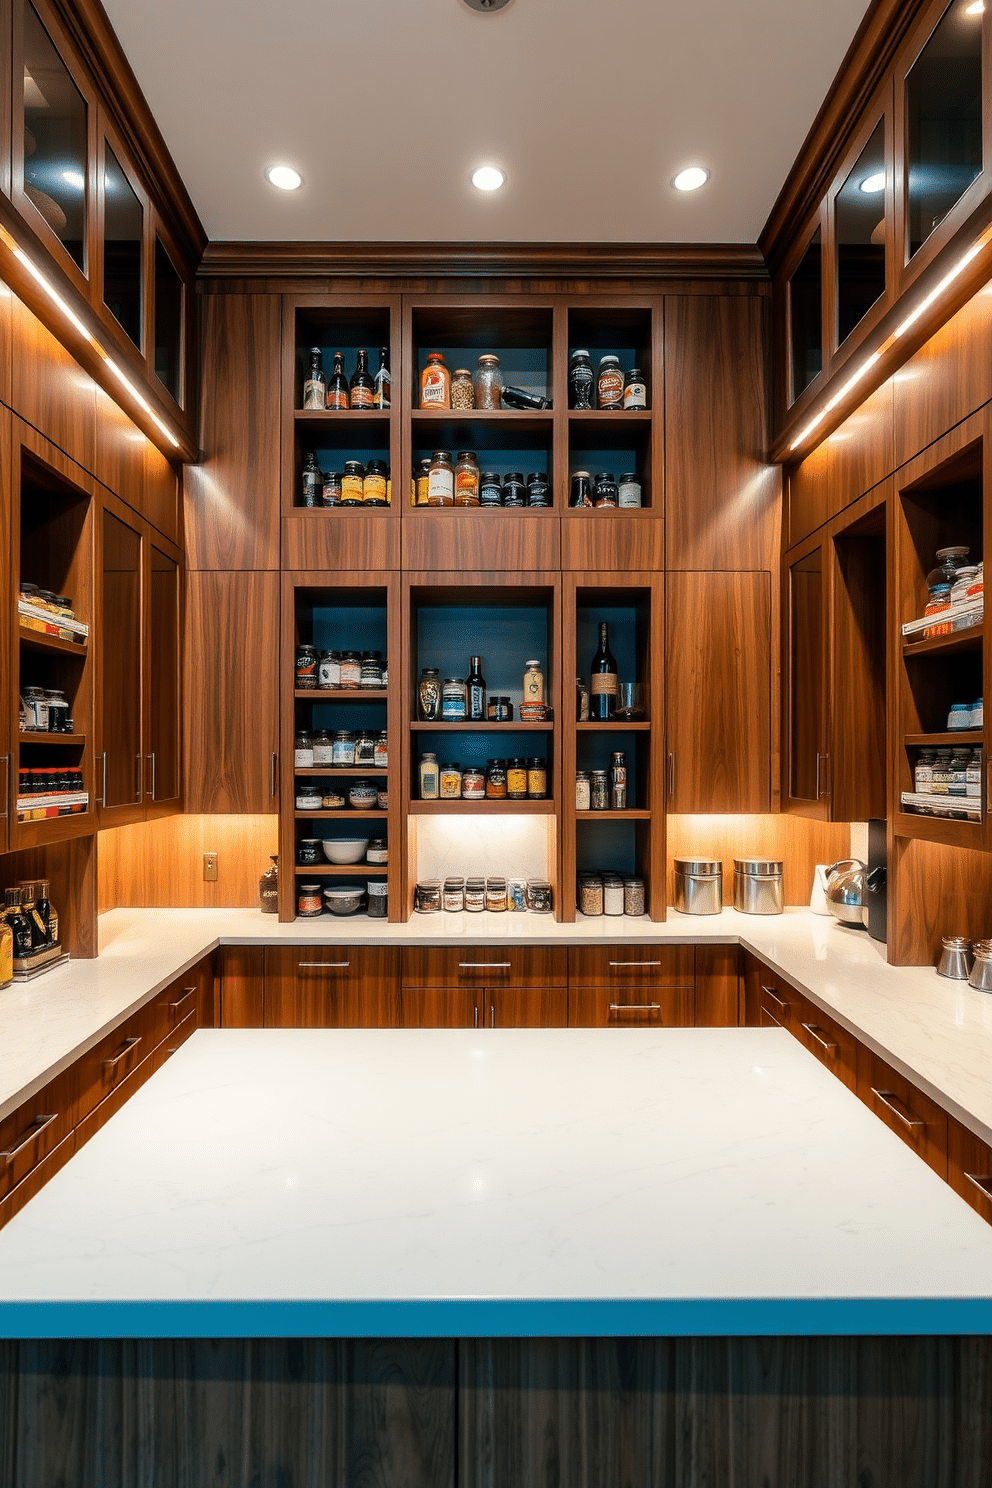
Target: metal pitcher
845	891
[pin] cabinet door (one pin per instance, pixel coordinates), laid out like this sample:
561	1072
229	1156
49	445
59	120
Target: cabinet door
719	691
806	784
332	987
163	641
231	687
443	1007
526	1007
119	769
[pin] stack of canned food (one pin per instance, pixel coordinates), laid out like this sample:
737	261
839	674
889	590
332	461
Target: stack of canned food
497	895
604	892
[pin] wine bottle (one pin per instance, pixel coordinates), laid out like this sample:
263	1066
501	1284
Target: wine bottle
604	681
337	388
315	385
476	686
381	386
514	397
361	388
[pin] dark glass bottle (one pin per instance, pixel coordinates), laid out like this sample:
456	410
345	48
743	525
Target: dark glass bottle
603	688
581	381
361	388
337	388
47	911
18	922
315	385
475	684
381	387
312	482
514	397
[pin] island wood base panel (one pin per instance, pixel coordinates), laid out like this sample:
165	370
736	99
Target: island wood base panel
648	1413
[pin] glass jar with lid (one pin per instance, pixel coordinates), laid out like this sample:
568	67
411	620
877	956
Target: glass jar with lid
454	700
378	852
371	672
374	484
539	896
453	897
607	493
490	489
514	489
590	894
488	383
516	780
381	753
462	389
330	494
323	749
329	671
429	777
537	779
496	780
306	667
344	749
365	748
538	491
429	695
353	483
496	895
473	783
441	483
609	384
635	389
58	710
581	381
351	670
583	791
475	895
303	751
599	790
467	479
612	894
450	782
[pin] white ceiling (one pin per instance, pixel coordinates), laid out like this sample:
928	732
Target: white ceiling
386	106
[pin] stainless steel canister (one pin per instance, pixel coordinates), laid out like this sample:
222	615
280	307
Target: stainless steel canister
758	886
698	886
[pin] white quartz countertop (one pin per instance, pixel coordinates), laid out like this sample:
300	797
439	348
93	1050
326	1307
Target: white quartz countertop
936	1032
499	1182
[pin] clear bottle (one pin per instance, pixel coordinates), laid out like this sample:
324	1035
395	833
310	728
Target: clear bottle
618	782
268	889
430	783
315	383
337	388
475	687
467	479
361	389
604	681
488	383
583	791
429	695
581	381
533	690
303	751
441	488
311	481
382	385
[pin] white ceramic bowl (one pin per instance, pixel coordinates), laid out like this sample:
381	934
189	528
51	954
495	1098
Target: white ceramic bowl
345	849
344	898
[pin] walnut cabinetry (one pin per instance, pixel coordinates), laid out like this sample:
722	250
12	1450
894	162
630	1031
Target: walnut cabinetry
485	987
331	987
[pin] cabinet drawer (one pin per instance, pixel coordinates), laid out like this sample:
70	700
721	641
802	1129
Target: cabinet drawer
631	966
913	1116
527	1007
14	1201
833	1046
332	987
174	1004
117	1055
969	1168
631	1007
443	1007
35	1129
778	1003
124	1088
484	966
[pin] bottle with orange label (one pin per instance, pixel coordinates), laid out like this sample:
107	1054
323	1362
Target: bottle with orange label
361	389
466	479
337	388
435	382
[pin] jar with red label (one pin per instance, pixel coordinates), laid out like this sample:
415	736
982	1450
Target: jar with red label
473	783
309	901
466	479
435	383
307	663
609	384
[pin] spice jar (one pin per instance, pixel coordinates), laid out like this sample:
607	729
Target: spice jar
629	489
311	482
462	391
303	751
450	778
427	896
612	894
537	779
329	670
475	895
590	895
516	780
635	391
538	491
609	384
351	670
309	902
374	484
490	489
606	490
633	896
496	895
499	710
467	479
378	905
514	490
488	383
441	485
453	897
353	483
344	749
599	790
365	748
429	695
371	671
58	710
378	852
435	383
581	380
308	797
939	599
422	483
323	750
496	780
306	668
308	852
473	783
454	700
539	895
583	789
330	494
381	753
580	491
533	691
618	783
429	777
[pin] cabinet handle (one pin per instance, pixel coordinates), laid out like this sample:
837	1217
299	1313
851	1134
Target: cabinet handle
671	774
635	963
34	1130
129	1044
825	1044
783	1007
187	994
484	965
103	792
6	786
492	1015
325	965
274	775
137	777
819	789
475	1016
888	1097
984	1185
635	1007
152	759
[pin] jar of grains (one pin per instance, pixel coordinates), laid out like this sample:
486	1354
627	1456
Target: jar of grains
583	796
488	383
633	896
462	391
591	895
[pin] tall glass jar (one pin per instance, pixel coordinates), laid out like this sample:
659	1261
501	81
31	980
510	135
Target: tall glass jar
467	479
454	696
429	695
441	488
488	383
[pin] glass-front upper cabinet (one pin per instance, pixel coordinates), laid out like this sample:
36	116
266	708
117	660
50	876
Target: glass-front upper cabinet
123	248
806	317
55	140
170	310
943	107
164	712
859	229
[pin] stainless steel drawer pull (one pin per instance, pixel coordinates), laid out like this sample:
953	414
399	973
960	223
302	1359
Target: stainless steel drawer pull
635	963
34	1130
187	994
984	1184
826	1044
635	1007
129	1044
325	965
887	1097
484	965
783	1007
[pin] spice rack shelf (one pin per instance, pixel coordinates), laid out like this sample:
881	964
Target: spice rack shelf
964	640
317	416
538	417
477	726
342	870
956	736
594	416
614	726
630	814
341	694
61	740
340	770
482	808
35	640
345	814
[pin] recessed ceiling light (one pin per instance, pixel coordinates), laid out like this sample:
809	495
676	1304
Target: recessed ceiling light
284	176
486	5
73	178
691	178
488	178
874	183
976	7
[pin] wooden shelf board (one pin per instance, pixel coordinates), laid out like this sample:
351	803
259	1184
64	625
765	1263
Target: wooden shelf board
51	830
483	512
480	726
341	415
339	770
481	808
531	416
341	694
613	726
596	513
954	736
962	640
631	814
57	739
346	813
339	870
35	641
938	829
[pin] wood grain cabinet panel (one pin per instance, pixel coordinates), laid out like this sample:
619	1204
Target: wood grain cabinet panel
484	966
625	966
443	1007
719	688
969	1168
232	496
447	541
332	987
831	1044
242	987
718	981
913	1116
49	389
36	1128
160	498
631	1007
947	379
527	1007
232	693
721	497
116	1056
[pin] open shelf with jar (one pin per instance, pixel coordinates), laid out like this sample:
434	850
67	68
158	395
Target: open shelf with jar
339	804
941	775
52	751
613	780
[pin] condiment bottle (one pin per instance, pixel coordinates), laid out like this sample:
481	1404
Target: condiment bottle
441	488
581	381
18	922
435	383
635	392
353	483
629	489
337	388
537	779
374	484
533	683
475	687
361	390
311	481
382	381
496	780
453	700
422	483
609	385
516	780
315	383
467	479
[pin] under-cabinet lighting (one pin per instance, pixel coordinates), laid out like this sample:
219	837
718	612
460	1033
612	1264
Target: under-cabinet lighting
488	178
284	176
874	183
74	178
976	7
142	402
691	178
838	397
938	289
53	294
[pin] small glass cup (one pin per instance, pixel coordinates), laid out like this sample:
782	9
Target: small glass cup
631	700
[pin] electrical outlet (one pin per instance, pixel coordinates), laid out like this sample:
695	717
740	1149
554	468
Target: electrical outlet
209	867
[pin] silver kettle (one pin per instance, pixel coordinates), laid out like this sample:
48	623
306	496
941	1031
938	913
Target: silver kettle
845	891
